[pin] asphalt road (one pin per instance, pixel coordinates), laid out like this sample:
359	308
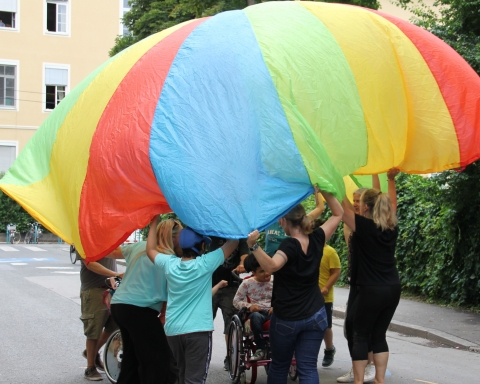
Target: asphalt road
41	336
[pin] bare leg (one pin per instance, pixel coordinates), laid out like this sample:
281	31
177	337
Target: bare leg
370	357
328	338
102	340
92	350
359	370
381	361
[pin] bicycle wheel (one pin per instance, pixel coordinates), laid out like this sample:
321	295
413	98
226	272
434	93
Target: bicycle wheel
28	238
112	356
15	238
73	254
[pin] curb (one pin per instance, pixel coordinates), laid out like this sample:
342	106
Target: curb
425	333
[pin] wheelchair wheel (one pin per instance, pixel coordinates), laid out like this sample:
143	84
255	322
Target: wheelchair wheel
73	255
235	350
112	356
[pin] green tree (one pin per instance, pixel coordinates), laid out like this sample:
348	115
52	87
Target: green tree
12	212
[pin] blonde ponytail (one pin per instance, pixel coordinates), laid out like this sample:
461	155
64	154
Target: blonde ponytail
381	208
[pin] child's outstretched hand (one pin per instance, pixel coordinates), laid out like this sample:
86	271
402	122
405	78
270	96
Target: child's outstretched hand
223	284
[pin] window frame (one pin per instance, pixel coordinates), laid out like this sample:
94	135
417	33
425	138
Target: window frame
44	84
16	64
68	22
17	20
10	143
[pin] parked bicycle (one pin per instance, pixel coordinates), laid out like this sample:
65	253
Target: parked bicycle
13	237
34	234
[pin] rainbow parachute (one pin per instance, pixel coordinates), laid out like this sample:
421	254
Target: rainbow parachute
230	120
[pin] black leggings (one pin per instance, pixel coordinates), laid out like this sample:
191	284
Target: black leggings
146	354
370	311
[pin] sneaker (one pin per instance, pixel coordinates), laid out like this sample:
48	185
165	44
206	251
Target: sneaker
92	374
258	355
369	373
225	364
347	378
328	356
98	361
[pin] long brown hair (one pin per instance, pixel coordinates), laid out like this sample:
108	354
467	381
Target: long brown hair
380	208
167	230
298	218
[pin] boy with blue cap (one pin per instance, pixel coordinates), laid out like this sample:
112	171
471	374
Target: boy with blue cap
189	318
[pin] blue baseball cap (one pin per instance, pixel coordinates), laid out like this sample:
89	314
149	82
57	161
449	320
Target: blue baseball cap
188	239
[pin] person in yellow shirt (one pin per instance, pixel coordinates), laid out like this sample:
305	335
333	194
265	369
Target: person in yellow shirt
330	268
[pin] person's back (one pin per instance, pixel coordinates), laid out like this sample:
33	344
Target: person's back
189	282
141	285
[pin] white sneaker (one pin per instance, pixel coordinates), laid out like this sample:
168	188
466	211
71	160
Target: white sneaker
347	378
369	373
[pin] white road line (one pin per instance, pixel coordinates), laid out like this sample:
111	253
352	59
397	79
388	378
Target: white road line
19	263
6	248
54	267
34	249
67	273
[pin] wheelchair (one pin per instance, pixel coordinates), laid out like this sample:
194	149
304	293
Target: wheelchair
241	347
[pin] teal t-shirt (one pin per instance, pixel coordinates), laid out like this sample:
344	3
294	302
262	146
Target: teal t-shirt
142	285
274	235
189	307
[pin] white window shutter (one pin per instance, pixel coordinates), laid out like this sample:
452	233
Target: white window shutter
7	156
8	5
56	76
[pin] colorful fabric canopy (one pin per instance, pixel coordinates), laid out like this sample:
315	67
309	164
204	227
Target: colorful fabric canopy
230	120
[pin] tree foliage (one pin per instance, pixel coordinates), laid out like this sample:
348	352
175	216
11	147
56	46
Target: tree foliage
147	17
12	212
457	22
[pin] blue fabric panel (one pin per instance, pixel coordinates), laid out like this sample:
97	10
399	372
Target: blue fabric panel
221	148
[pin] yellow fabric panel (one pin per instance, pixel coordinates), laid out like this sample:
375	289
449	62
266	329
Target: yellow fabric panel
75	143
408	123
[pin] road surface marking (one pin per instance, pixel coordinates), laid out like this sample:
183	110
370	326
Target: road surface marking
67	273
27	260
6	248
54	267
19	263
34	249
423	381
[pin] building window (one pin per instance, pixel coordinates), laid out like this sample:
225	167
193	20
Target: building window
57	16
125	8
56	84
7	85
8	12
8	154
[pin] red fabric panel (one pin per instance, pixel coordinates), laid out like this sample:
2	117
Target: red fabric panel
120	192
458	83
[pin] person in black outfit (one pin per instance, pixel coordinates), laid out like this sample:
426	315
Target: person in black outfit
375	284
223	298
299	319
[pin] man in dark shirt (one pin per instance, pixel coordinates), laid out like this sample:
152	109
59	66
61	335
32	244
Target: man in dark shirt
223	299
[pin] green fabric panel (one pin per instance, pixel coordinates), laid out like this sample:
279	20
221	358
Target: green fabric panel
35	157
317	90
365	181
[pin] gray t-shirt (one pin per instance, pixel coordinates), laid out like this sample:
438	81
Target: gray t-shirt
91	279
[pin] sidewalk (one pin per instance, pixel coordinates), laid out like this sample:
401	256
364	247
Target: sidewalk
452	327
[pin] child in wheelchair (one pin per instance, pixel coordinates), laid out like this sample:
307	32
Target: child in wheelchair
255	294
